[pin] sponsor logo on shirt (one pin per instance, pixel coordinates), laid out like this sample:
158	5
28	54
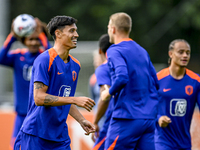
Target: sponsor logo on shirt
165	90
27	72
178	107
59	73
64	91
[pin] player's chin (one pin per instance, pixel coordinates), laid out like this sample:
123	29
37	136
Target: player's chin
73	46
184	65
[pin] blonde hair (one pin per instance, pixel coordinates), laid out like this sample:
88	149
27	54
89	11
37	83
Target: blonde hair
122	21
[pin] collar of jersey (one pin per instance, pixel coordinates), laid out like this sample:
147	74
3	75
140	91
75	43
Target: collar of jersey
124	39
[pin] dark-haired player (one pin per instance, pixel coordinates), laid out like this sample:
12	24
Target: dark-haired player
104	107
21	60
52	88
179	92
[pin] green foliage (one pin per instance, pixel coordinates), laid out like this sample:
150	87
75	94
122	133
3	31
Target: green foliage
155	22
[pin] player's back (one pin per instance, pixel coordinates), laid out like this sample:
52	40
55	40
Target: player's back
139	96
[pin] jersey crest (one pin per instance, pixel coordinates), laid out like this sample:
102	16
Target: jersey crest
74	75
189	90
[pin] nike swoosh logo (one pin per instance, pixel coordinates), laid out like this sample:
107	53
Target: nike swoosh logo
165	90
59	73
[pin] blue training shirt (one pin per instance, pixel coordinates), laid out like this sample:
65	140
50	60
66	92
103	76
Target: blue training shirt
21	60
103	78
134	81
177	101
49	122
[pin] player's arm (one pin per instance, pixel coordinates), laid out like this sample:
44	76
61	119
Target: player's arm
162	119
101	109
102	106
5	58
153	74
86	125
41	98
198	94
42	37
118	64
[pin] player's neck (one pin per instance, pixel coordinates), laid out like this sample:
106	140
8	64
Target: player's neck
177	72
120	37
62	52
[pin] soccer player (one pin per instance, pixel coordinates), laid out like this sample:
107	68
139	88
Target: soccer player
103	79
134	85
21	60
52	88
179	92
93	87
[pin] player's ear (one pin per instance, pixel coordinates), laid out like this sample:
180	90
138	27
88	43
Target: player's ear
113	30
100	51
170	53
58	33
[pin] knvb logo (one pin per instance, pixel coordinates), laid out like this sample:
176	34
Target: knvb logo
178	107
74	75
189	90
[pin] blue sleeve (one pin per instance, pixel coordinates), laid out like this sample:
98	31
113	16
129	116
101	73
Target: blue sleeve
153	74
118	65
161	108
103	75
5	57
198	97
41	73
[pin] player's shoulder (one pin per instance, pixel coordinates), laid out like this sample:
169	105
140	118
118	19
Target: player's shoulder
193	75
163	73
75	60
102	67
46	57
21	51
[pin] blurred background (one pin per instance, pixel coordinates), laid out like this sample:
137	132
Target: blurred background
155	24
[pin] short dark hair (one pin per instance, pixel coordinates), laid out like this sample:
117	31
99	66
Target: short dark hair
104	43
59	22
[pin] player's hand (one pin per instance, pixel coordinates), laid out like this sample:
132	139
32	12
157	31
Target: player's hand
88	127
105	95
96	134
38	28
85	102
13	33
164	121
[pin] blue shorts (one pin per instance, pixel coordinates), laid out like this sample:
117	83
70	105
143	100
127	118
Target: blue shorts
18	123
31	142
161	146
129	134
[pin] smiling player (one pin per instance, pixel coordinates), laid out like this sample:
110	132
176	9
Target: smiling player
52	89
179	92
